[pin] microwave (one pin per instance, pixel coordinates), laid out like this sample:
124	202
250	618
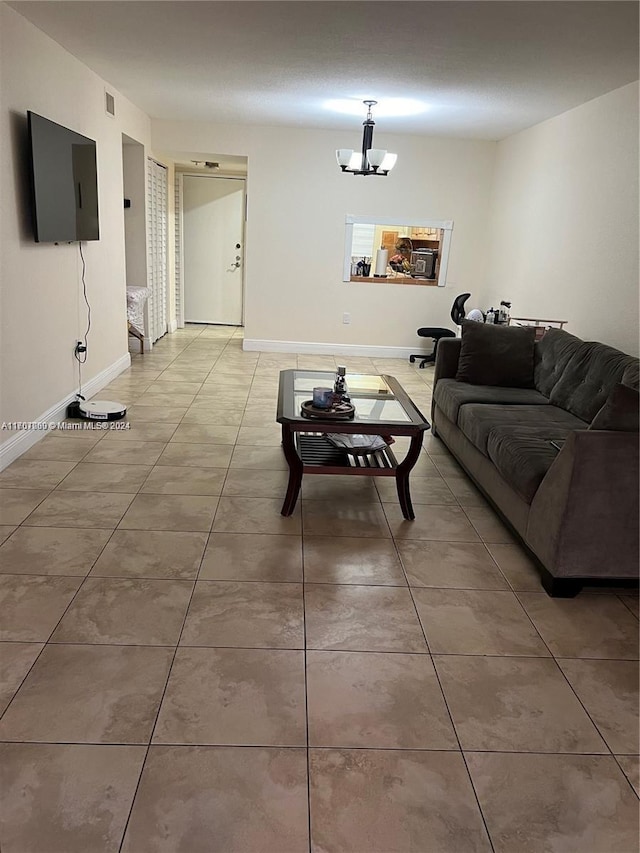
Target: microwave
423	263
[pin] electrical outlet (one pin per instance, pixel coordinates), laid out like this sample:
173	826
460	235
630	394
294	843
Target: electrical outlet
346	318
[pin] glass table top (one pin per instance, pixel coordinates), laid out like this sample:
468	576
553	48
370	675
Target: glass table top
377	399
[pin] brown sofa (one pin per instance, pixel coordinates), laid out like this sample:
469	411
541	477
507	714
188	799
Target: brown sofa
564	484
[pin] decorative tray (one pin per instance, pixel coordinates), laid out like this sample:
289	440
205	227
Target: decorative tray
338	412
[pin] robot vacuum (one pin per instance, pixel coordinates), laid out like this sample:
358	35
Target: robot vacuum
97	410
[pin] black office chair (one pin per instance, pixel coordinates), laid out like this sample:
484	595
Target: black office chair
457	315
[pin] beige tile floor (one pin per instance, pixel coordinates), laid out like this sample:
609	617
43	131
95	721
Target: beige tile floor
186	671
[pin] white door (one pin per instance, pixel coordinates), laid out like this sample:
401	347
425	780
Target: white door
213	219
157	209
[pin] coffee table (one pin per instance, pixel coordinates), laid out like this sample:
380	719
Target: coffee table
382	407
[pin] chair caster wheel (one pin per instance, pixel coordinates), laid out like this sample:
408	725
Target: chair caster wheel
422	365
412	359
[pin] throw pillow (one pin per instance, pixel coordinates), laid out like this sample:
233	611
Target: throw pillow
620	412
496	355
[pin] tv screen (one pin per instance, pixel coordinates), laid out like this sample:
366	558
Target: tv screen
64	183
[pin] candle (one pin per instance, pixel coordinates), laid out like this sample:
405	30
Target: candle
322	398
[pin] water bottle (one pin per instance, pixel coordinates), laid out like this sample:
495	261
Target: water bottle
491	316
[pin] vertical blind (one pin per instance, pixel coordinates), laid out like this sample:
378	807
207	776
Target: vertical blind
157	211
179	294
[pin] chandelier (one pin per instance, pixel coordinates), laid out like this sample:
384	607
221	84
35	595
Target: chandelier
370	161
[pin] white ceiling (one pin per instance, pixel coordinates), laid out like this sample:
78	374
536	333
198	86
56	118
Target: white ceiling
481	69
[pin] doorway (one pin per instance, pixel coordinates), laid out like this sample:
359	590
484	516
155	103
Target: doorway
213	249
135	239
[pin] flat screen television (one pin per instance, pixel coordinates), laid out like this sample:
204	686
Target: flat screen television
64	183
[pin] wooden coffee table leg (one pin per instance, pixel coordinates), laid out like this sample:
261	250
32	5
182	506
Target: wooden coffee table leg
404	496
295	471
402	476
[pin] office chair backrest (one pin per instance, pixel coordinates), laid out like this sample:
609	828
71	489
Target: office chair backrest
457	309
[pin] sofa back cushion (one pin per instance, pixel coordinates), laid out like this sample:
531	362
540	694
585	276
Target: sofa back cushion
551	355
589	378
496	355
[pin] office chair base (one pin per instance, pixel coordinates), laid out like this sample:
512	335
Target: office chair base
424	359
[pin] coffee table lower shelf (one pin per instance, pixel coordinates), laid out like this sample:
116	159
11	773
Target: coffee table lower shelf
320	456
313	453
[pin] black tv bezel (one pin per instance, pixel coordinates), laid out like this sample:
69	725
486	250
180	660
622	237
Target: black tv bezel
32	182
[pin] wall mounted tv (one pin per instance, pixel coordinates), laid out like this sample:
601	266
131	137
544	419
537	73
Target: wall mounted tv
64	183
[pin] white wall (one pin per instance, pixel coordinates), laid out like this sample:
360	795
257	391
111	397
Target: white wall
297	202
564	233
41	309
135	219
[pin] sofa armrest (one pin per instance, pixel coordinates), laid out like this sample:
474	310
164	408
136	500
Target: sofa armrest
447	357
583	520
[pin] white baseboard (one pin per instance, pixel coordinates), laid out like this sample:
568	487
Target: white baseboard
21	441
359	350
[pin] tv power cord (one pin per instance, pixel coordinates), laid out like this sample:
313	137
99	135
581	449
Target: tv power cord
81	347
96	410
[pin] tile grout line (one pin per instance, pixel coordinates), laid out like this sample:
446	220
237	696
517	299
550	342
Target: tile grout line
162	696
228	468
316	650
306	684
446	704
320	747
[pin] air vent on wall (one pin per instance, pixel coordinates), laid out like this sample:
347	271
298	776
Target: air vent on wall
109	104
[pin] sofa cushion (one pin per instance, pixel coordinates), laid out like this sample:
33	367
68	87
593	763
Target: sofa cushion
620	411
550	357
476	420
588	379
450	394
523	455
496	355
